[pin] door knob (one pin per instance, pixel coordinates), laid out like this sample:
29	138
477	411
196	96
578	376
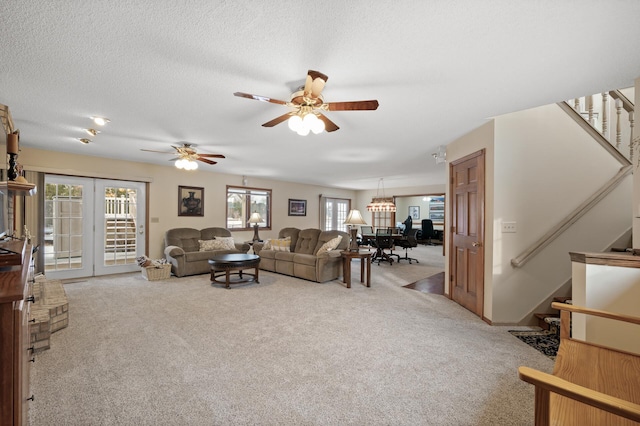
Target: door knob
476	244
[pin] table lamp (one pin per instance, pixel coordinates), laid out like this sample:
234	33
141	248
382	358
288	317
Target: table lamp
354	218
255	219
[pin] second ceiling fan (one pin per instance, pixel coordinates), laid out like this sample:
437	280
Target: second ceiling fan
307	105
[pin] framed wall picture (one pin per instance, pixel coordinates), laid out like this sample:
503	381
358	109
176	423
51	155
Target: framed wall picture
297	207
414	212
190	201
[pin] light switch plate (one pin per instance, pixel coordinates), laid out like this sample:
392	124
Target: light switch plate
508	227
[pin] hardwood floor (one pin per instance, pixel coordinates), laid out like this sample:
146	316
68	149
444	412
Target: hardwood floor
433	284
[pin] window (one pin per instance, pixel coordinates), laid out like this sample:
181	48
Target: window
381	220
242	202
333	213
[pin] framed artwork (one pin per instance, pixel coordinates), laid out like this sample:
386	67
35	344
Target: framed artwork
414	212
190	201
297	207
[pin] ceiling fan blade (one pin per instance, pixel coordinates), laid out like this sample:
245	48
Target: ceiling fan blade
259	98
353	105
277	120
318	80
204	160
329	125
212	155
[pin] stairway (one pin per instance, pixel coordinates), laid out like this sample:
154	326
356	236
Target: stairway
551	321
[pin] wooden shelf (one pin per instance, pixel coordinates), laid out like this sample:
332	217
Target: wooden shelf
21	188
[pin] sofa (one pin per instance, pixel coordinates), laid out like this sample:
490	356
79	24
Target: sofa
188	250
310	254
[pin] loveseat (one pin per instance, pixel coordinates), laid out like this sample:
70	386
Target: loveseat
189	250
310	254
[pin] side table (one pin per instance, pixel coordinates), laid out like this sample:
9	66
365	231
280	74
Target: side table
365	257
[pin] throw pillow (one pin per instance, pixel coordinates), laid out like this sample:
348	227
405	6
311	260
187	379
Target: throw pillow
208	245
278	244
228	242
330	245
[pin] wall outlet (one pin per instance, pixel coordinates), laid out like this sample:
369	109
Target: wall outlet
508	227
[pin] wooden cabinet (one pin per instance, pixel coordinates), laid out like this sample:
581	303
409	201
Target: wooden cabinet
15	354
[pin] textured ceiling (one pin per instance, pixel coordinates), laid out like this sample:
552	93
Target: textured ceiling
165	72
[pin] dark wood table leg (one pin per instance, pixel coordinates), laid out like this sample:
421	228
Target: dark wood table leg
257	278
346	264
362	269
227	274
368	259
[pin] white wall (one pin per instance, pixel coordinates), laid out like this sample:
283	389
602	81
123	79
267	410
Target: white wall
540	165
545	167
163	192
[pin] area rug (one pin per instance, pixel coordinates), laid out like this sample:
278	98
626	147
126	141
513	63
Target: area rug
544	341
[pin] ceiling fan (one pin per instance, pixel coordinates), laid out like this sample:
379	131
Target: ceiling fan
307	105
186	156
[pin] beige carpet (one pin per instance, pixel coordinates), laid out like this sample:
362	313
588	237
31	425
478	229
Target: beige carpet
282	352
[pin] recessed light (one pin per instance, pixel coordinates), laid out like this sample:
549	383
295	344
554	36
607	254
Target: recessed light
100	121
92	132
84	140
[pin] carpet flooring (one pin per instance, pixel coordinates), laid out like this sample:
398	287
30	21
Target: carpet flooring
282	352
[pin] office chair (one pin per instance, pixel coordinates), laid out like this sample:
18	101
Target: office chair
406	243
408	226
427	232
384	240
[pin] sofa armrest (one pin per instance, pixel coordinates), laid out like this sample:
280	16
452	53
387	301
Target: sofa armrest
173	251
243	247
257	246
334	253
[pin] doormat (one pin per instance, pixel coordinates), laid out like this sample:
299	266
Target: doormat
544	341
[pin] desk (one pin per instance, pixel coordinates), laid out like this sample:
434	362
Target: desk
346	265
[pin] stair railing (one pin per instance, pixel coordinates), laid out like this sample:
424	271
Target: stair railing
597	110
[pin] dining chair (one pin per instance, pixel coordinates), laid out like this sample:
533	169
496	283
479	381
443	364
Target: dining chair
384	241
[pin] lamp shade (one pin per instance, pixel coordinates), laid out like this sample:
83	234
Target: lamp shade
255	218
354	218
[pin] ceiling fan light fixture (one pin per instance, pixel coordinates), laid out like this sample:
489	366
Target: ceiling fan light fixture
186	164
294	122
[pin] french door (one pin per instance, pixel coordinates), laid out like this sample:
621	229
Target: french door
92	226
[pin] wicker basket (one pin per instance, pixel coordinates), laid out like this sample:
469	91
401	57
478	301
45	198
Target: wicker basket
156	273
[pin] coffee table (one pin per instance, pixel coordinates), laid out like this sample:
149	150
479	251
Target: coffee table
223	264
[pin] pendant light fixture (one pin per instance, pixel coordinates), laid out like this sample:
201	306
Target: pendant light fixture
381	203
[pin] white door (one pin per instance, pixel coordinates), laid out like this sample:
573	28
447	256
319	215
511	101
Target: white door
92	226
119	226
68	227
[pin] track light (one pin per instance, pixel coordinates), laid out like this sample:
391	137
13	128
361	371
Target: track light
100	121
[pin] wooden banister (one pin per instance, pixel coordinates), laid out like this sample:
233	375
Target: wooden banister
551	383
604	378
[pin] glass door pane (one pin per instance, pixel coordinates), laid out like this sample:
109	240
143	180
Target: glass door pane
68	219
120	232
